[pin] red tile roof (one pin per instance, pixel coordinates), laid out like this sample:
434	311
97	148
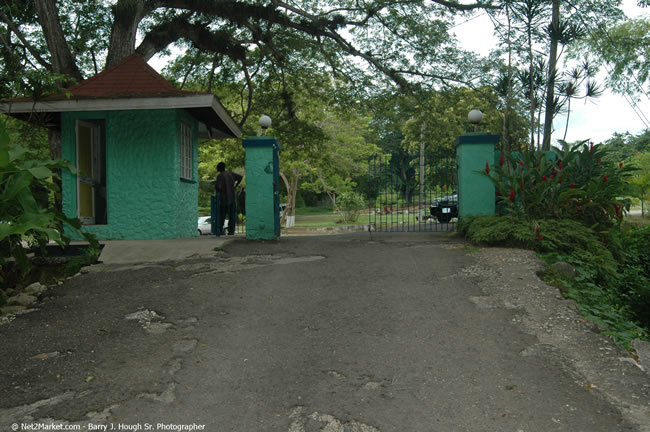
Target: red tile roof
131	78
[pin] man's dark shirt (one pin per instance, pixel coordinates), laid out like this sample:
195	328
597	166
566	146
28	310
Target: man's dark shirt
225	186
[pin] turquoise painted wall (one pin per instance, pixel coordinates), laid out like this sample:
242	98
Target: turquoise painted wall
146	198
262	204
476	193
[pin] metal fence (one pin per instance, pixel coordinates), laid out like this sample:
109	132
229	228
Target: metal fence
411	194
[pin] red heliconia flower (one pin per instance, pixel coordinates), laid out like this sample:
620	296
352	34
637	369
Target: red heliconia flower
501	160
540	237
572	185
487	168
444	186
620	164
605	178
544	178
521	163
554	172
560	164
512	195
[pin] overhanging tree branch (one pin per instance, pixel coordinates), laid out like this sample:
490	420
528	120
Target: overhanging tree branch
25	43
216	41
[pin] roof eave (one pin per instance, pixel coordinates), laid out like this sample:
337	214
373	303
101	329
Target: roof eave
135	103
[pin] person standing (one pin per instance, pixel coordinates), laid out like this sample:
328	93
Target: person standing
225	186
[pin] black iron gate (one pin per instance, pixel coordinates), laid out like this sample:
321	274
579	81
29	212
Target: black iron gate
412	195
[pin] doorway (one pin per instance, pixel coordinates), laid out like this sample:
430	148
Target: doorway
91	172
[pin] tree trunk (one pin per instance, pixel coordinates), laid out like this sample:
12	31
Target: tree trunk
531	86
289	214
568	116
506	113
331	193
127	16
550	82
63	62
211	76
539	129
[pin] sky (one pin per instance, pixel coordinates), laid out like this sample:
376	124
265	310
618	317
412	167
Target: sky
597	120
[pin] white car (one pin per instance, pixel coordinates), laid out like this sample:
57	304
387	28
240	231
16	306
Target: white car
205	225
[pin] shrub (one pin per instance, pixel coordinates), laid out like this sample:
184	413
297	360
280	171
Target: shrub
23	178
575	182
634	272
349	204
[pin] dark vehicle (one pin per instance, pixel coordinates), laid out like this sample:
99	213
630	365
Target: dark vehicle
445	208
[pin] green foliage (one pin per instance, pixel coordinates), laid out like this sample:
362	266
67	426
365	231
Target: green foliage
349	204
634	272
576	182
611	289
633	150
442	117
24	212
89	257
624	146
496	231
566	205
542	235
626	48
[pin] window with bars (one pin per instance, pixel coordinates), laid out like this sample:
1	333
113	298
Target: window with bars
186	152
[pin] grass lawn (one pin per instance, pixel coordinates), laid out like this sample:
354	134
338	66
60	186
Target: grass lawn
322	220
311	217
638	220
312	211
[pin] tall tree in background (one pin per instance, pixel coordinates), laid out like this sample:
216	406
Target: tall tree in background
555	34
541	34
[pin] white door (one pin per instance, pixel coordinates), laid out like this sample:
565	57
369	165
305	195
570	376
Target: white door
88	166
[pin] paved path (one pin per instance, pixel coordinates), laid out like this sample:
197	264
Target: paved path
394	332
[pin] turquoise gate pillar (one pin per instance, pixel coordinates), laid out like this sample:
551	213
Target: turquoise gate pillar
262	188
476	193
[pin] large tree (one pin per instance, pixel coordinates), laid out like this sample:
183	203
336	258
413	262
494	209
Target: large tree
392	36
368	42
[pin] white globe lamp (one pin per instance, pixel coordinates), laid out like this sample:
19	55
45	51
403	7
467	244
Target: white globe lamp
475	117
265	122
